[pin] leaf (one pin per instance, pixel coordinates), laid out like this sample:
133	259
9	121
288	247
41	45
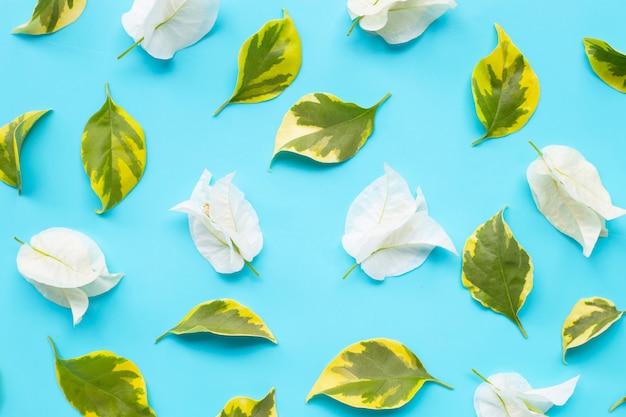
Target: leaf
52	15
397	21
164	27
223	224
12	138
505	89
223	317
113	153
102	384
607	63
269	61
388	231
568	191
373	374
589	318
496	270
322	127
247	407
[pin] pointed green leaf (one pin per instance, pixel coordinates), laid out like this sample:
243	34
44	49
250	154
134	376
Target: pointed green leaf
269	61
497	271
374	374
113	153
589	318
102	384
322	127
505	89
12	137
52	15
223	317
607	63
247	407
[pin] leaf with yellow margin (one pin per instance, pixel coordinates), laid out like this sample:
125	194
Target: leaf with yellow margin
247	407
608	63
52	15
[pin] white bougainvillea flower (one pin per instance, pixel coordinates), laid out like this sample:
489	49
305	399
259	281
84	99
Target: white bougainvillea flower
223	224
397	21
509	394
389	232
66	267
163	27
569	193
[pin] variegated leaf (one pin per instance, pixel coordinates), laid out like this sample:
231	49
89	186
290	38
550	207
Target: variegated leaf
12	137
102	384
374	374
497	271
247	407
223	317
269	61
589	318
113	153
607	63
322	127
52	15
505	89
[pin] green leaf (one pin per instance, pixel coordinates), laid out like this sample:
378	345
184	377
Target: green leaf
269	61
322	127
113	153
607	63
223	317
505	89
102	384
12	137
52	15
374	374
247	407
589	318
497	271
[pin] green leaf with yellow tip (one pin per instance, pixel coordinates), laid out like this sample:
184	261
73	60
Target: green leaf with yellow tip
269	61
102	384
12	137
589	318
607	63
322	127
496	270
505	89
52	15
247	407
222	317
374	374
113	153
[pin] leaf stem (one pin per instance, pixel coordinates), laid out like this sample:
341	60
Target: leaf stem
617	404
350	270
158	339
249	265
130	48
536	148
221	107
481	377
477	141
354	23
19	241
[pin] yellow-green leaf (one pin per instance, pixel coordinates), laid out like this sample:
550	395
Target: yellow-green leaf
247	407
374	374
113	153
269	61
607	63
12	137
102	384
505	89
322	127
52	15
589	318
497	271
223	317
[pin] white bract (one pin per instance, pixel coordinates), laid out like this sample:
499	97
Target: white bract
163	27
569	193
223	224
397	21
389	232
66	267
509	394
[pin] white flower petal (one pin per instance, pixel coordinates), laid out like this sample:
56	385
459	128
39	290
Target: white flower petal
374	22
102	284
358	8
133	20
544	398
488	402
72	298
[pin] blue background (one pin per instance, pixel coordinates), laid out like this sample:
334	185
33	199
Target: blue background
423	131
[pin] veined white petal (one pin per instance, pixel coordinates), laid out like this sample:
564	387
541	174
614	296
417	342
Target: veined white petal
374	22
490	402
408	20
544	398
368	7
102	284
72	298
202	190
133	20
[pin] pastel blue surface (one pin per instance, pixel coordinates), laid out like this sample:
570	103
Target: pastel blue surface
423	131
